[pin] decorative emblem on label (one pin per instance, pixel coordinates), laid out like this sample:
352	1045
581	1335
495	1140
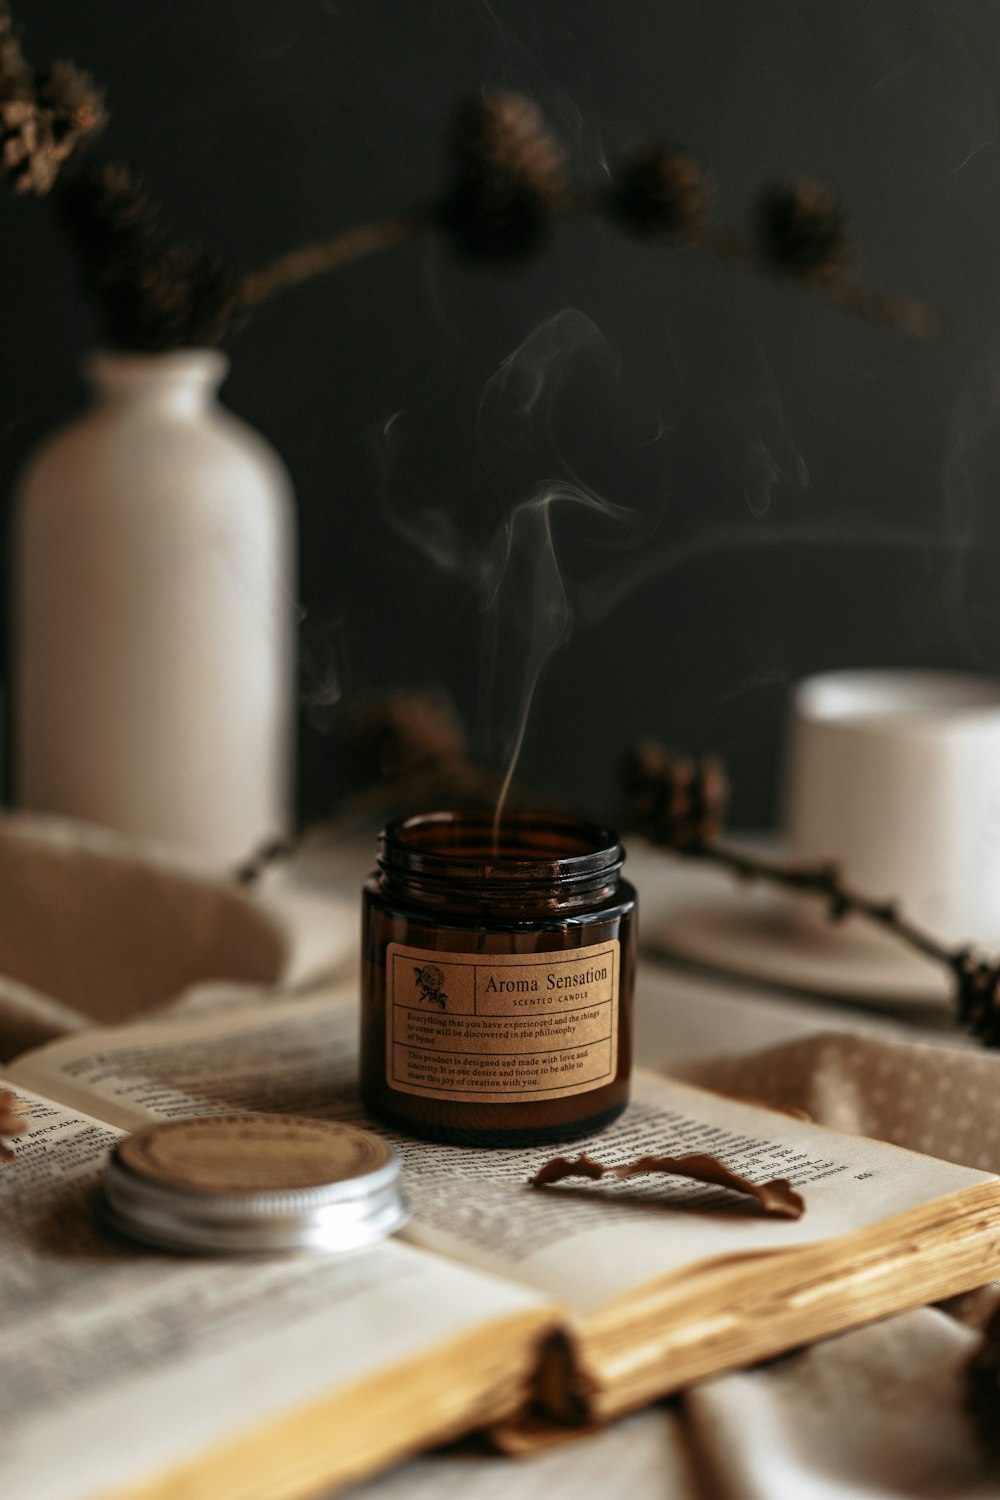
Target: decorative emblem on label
501	1027
430	982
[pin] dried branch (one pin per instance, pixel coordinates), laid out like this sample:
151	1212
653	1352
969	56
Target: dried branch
271	852
509	188
802	233
838	287
327	255
678	804
508	185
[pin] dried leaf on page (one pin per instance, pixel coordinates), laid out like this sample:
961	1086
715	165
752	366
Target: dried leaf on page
560	1167
777	1197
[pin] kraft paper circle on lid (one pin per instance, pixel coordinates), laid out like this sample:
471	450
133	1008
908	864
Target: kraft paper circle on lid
252	1182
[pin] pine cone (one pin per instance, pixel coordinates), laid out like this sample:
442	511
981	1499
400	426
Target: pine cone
185	298
112	219
509	178
659	190
154	295
403	734
802	228
672	801
506	134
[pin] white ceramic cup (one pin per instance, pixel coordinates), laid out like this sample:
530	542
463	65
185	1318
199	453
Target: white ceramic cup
895	775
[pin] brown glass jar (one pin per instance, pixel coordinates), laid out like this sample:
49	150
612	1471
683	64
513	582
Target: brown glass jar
497	979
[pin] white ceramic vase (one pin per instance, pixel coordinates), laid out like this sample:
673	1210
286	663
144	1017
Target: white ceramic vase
154	619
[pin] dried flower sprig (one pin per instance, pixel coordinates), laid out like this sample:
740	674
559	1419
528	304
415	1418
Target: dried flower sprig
45	115
11	1122
16	77
680	805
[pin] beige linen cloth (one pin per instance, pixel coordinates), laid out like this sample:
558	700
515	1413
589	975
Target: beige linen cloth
96	928
881	1411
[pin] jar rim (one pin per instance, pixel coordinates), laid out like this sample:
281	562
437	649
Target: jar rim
532	848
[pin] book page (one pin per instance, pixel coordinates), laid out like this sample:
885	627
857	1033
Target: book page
589	1242
582	1242
117	1362
283	1056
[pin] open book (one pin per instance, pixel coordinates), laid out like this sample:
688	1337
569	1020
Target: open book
126	1372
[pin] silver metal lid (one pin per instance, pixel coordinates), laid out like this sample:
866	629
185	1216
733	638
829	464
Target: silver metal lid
254	1182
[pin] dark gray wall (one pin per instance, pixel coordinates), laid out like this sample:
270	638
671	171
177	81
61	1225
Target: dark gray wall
805	491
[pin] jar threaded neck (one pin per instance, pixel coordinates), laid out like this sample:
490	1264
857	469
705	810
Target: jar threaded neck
530	856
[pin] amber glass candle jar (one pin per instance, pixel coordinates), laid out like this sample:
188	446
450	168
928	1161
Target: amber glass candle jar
497	979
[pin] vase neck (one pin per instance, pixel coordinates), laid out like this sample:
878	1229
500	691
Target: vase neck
182	381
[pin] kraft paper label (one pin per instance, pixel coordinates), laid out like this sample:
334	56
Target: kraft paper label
501	1028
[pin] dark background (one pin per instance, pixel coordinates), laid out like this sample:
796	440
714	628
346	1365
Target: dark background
803	490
